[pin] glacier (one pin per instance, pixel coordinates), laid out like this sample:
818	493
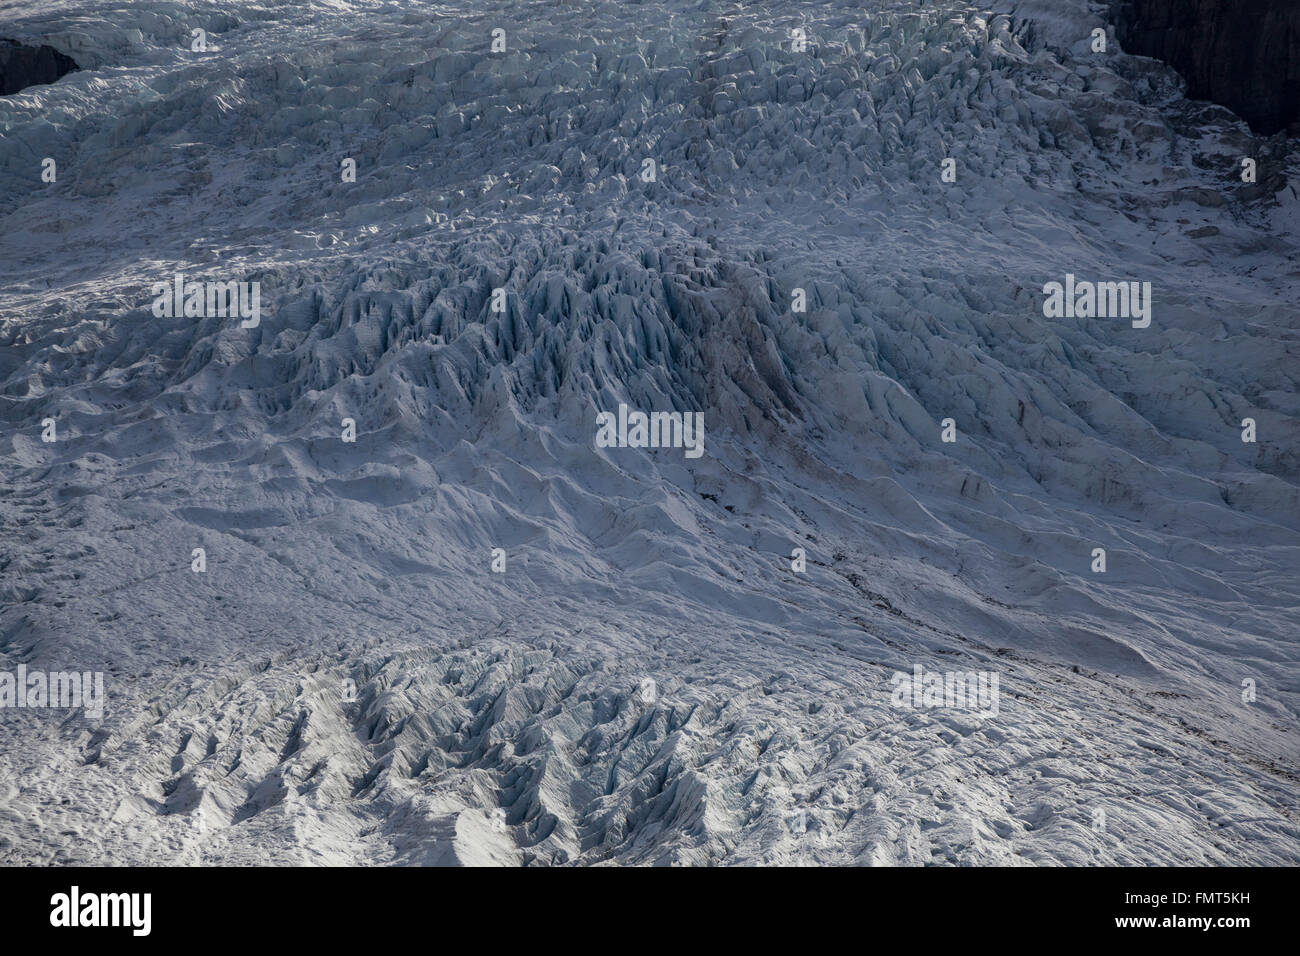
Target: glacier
475	636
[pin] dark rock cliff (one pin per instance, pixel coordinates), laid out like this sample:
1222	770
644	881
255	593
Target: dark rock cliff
1243	54
23	66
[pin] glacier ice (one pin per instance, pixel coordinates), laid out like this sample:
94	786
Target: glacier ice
349	681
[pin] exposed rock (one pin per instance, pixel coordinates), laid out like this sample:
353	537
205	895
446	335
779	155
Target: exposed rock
1244	54
23	66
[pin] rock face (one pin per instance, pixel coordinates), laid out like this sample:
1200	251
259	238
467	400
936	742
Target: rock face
23	66
1243	54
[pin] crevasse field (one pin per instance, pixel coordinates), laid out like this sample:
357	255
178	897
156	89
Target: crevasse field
650	680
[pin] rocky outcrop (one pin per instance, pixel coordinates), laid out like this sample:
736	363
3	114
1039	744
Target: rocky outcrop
23	66
1243	54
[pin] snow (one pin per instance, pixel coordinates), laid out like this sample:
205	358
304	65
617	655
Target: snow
229	735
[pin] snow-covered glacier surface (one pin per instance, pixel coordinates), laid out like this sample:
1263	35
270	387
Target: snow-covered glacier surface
650	680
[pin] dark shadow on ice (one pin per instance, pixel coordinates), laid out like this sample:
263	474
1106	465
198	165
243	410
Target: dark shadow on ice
23	66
